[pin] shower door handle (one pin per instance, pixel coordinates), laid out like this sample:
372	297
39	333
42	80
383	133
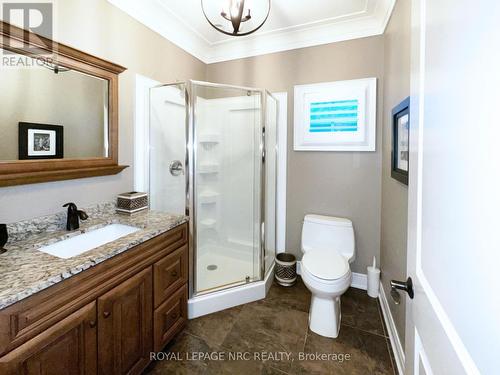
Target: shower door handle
176	168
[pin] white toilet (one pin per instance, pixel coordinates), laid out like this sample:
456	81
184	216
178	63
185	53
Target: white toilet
328	246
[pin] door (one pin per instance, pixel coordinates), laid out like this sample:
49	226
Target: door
125	326
453	252
167	148
227	186
69	347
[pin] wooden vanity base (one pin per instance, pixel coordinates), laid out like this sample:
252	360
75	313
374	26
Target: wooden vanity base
105	320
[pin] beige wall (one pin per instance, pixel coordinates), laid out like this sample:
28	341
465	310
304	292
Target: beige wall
394	194
97	27
335	183
73	100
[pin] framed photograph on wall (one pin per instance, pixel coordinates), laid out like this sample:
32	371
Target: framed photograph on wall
400	141
40	141
336	116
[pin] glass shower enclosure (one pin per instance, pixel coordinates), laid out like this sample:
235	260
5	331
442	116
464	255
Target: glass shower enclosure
213	157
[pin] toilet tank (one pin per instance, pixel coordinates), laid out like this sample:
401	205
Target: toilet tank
329	234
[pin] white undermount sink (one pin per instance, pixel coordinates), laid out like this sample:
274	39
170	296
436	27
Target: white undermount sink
84	242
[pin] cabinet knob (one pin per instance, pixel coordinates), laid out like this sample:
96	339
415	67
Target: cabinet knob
174	273
92	324
106	314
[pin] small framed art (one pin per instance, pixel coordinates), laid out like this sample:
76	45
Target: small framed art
40	141
400	141
336	116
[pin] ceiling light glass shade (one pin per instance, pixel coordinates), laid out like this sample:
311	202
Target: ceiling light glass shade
236	17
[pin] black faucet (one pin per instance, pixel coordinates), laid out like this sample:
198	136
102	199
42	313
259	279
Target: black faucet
74	216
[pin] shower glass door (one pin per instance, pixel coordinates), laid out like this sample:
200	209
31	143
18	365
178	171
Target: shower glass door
167	148
227	184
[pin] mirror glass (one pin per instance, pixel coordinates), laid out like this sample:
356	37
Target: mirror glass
51	112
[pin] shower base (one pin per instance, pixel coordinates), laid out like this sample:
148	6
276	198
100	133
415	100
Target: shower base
218	266
224	299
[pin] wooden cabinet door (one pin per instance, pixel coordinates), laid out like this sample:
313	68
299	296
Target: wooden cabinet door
69	347
125	326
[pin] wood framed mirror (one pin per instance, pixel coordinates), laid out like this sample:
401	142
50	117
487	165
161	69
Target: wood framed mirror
59	117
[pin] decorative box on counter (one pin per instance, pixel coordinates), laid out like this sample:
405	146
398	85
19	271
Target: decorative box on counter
129	203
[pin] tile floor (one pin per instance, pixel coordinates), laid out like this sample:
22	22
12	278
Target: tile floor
279	324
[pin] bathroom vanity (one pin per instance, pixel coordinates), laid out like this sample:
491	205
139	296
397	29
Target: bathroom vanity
102	311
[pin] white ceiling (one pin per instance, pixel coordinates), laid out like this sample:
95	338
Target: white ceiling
291	24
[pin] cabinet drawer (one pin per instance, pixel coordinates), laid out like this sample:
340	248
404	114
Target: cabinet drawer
170	273
170	318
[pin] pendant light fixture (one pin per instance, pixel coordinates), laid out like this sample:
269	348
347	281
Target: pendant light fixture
236	17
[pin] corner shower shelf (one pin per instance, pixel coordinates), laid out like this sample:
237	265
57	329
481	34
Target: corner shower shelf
208	223
208	197
208	168
209	138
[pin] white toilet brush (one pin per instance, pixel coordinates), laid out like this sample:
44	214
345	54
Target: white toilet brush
373	279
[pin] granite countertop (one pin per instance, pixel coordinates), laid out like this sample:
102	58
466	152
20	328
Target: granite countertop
25	271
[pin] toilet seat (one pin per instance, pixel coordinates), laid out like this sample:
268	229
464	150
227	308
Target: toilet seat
325	265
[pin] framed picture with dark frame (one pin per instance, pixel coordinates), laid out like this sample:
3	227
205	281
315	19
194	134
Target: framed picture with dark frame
401	141
40	141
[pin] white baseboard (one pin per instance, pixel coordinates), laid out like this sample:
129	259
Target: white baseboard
299	268
397	348
359	280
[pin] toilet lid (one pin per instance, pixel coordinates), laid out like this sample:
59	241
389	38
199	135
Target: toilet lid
325	264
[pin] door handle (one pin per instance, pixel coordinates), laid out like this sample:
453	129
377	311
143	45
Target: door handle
406	286
176	168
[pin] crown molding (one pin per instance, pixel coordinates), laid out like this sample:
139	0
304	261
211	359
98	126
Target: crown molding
160	19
